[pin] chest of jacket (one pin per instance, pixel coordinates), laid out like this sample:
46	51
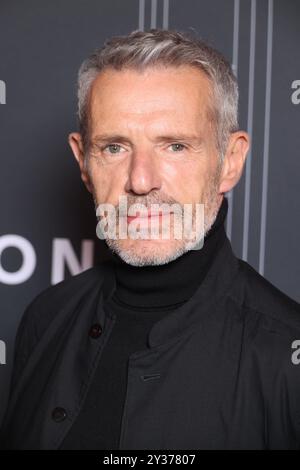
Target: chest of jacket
193	391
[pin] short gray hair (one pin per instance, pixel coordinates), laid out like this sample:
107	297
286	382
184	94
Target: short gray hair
141	49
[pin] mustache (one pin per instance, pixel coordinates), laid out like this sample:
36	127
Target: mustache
153	198
146	201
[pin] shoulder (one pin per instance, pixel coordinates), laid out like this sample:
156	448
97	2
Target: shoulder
67	292
271	331
260	298
63	291
271	336
54	303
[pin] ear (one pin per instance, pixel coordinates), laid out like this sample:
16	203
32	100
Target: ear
234	160
75	141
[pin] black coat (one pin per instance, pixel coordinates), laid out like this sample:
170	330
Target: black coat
218	372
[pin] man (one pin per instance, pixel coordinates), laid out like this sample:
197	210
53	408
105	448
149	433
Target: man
170	344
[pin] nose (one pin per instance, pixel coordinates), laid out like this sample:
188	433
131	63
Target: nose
143	174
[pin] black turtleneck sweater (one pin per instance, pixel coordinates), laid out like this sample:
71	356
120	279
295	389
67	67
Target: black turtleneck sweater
143	295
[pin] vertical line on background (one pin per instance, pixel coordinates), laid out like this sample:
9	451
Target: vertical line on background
266	140
249	130
153	13
235	59
166	14
141	15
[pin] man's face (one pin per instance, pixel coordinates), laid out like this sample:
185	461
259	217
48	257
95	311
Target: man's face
151	140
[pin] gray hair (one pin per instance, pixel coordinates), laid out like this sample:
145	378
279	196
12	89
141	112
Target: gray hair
140	49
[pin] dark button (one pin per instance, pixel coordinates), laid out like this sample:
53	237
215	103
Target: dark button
95	331
59	414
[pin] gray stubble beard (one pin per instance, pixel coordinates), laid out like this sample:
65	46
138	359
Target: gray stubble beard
212	201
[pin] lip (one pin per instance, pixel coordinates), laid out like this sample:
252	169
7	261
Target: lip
149	216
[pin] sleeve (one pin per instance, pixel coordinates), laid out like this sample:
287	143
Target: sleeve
24	342
284	406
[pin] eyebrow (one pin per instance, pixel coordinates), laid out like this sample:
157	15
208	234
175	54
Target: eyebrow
105	138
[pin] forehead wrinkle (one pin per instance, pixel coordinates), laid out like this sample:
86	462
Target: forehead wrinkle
155	131
156	120
136	120
142	103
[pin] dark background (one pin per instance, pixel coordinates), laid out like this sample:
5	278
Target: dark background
43	200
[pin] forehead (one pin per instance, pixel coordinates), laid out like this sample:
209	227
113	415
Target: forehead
183	94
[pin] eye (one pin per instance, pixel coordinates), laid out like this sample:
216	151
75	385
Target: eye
113	148
178	147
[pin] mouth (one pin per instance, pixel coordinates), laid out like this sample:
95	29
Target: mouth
148	216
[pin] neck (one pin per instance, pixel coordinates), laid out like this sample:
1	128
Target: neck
171	284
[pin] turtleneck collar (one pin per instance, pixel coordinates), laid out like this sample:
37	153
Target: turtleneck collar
171	284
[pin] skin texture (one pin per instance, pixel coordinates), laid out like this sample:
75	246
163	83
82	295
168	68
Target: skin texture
160	148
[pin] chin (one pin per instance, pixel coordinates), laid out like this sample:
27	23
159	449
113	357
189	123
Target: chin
147	252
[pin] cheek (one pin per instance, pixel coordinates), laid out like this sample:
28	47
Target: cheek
107	184
185	181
